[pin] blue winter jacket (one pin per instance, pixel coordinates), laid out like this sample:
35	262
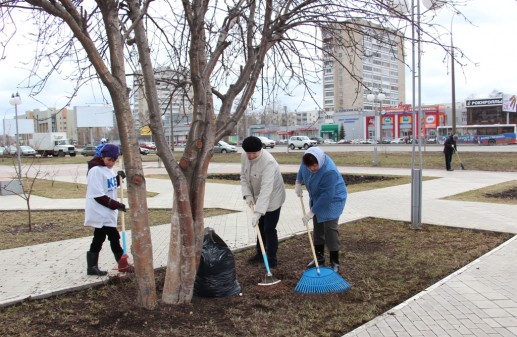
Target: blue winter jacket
326	187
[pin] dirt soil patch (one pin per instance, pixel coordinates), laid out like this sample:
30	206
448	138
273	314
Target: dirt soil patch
509	194
385	261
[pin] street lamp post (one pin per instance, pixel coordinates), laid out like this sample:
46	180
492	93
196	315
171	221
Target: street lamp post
372	97
416	158
16	100
453	85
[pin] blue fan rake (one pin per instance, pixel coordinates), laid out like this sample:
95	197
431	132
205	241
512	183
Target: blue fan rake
320	280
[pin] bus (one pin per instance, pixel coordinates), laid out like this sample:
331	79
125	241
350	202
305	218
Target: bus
490	134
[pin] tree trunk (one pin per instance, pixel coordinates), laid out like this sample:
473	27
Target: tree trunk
114	78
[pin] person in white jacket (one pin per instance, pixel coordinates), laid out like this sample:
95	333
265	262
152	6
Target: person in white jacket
264	191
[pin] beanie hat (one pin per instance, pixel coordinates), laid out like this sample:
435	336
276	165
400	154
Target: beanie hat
110	150
252	144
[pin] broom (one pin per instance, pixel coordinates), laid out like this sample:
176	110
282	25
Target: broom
318	280
461	164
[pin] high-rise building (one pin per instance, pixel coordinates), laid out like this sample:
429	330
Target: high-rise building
361	58
172	99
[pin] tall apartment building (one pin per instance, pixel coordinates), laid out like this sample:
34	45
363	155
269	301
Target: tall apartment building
53	120
361	58
172	102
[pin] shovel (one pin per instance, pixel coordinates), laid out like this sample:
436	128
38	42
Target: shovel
123	264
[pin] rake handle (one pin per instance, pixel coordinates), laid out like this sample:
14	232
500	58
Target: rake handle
459	159
310	237
261	243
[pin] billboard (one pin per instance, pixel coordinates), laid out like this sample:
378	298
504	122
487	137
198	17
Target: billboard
94	116
510	103
25	126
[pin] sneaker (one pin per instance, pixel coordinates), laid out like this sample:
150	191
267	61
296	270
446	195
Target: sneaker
335	267
450	170
255	259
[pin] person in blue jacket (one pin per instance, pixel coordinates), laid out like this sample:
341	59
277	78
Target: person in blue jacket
327	198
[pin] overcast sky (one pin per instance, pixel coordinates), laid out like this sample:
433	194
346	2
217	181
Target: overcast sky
489	43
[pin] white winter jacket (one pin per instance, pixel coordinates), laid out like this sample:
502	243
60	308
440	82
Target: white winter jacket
261	179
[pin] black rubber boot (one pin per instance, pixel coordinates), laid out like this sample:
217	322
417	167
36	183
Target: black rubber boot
320	255
93	259
334	260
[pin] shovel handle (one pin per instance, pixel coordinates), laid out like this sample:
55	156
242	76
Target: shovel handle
122	220
122	217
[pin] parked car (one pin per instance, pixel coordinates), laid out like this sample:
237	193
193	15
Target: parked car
224	147
301	142
398	141
148	145
143	151
344	141
27	151
386	141
88	150
329	141
10	150
266	142
318	140
431	140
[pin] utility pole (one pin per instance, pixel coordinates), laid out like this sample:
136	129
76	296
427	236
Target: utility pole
453	85
286	129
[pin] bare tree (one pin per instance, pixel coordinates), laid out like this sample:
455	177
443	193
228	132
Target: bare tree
53	175
23	185
223	54
95	38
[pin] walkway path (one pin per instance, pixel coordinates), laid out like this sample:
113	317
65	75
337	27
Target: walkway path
478	300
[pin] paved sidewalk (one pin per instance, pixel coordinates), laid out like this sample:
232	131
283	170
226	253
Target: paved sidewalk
478	300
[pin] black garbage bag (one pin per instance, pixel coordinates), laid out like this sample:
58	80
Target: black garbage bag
216	276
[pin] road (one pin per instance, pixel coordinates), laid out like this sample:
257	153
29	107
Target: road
402	148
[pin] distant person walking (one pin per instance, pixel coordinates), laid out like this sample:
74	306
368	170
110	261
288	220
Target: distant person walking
99	147
327	198
263	189
448	149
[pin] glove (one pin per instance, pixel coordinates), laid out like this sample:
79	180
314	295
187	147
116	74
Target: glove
298	189
249	201
307	217
122	174
256	218
121	207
